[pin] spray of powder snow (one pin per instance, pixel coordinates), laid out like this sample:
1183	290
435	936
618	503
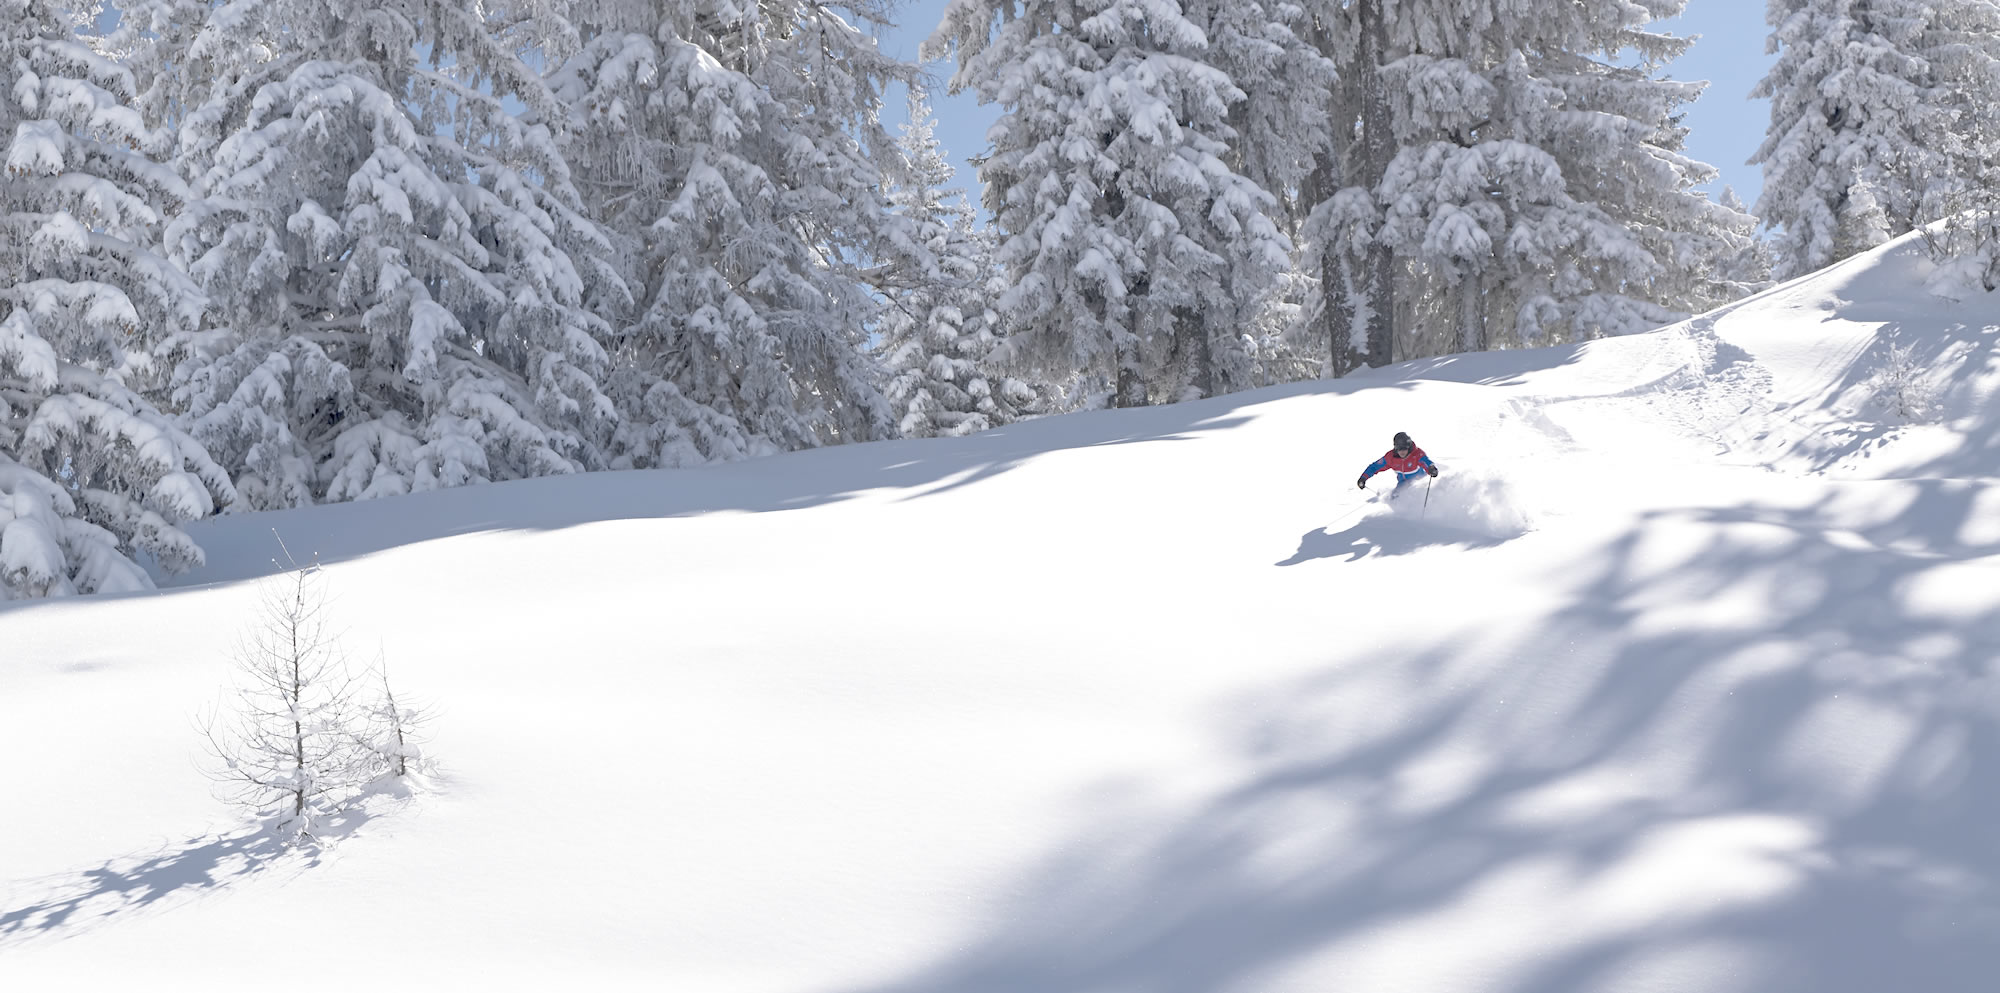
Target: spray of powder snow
1467	498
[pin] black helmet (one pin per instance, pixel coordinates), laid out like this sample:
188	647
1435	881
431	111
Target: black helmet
1403	441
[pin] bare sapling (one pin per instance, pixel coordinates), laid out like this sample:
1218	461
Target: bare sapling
290	736
396	732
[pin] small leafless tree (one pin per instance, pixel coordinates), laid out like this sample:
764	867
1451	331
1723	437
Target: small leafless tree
1899	386
291	737
395	731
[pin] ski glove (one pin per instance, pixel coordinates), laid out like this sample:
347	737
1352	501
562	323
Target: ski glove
1433	470
1362	482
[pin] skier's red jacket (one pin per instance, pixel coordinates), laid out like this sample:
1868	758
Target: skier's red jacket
1405	466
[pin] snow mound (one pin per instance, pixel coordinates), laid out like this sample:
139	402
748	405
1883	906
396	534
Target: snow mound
1862	372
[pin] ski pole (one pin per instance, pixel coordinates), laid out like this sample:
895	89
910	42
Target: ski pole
1328	527
1427	497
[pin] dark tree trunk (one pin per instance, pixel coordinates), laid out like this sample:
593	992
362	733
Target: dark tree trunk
1471	314
1335	274
1378	145
1197	353
1335	320
1131	386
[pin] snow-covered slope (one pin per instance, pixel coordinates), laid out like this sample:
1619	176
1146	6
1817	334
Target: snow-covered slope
1683	678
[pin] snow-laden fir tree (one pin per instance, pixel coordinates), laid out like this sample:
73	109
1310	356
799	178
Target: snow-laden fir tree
1962	47
1967	247
1749	269
1353	273
1871	102
938	335
1282	124
405	293
92	473
732	150
1538	190
1282	137
150	38
1129	240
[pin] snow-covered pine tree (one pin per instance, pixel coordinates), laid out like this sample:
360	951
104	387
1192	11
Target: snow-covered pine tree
1962	47
1283	133
1968	246
937	334
1866	140
406	294
150	38
1538	189
1354	273
1129	241
91	472
731	149
1282	124
1748	270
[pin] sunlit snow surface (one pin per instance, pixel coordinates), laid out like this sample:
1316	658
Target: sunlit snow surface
1681	677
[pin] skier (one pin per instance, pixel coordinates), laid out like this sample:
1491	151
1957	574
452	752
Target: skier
1406	459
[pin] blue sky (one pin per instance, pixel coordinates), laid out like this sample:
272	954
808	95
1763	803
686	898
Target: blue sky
1727	125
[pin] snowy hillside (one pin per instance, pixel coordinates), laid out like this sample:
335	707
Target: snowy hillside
1684	676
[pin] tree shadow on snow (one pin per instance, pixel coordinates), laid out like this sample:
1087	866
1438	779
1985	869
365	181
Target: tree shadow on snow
1855	431
1799	799
121	888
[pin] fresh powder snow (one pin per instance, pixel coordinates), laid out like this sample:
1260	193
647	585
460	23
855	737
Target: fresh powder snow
1682	676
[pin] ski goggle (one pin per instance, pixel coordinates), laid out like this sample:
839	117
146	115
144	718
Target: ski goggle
1405	447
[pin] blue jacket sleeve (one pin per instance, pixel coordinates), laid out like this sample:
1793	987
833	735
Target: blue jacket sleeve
1374	467
1427	461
